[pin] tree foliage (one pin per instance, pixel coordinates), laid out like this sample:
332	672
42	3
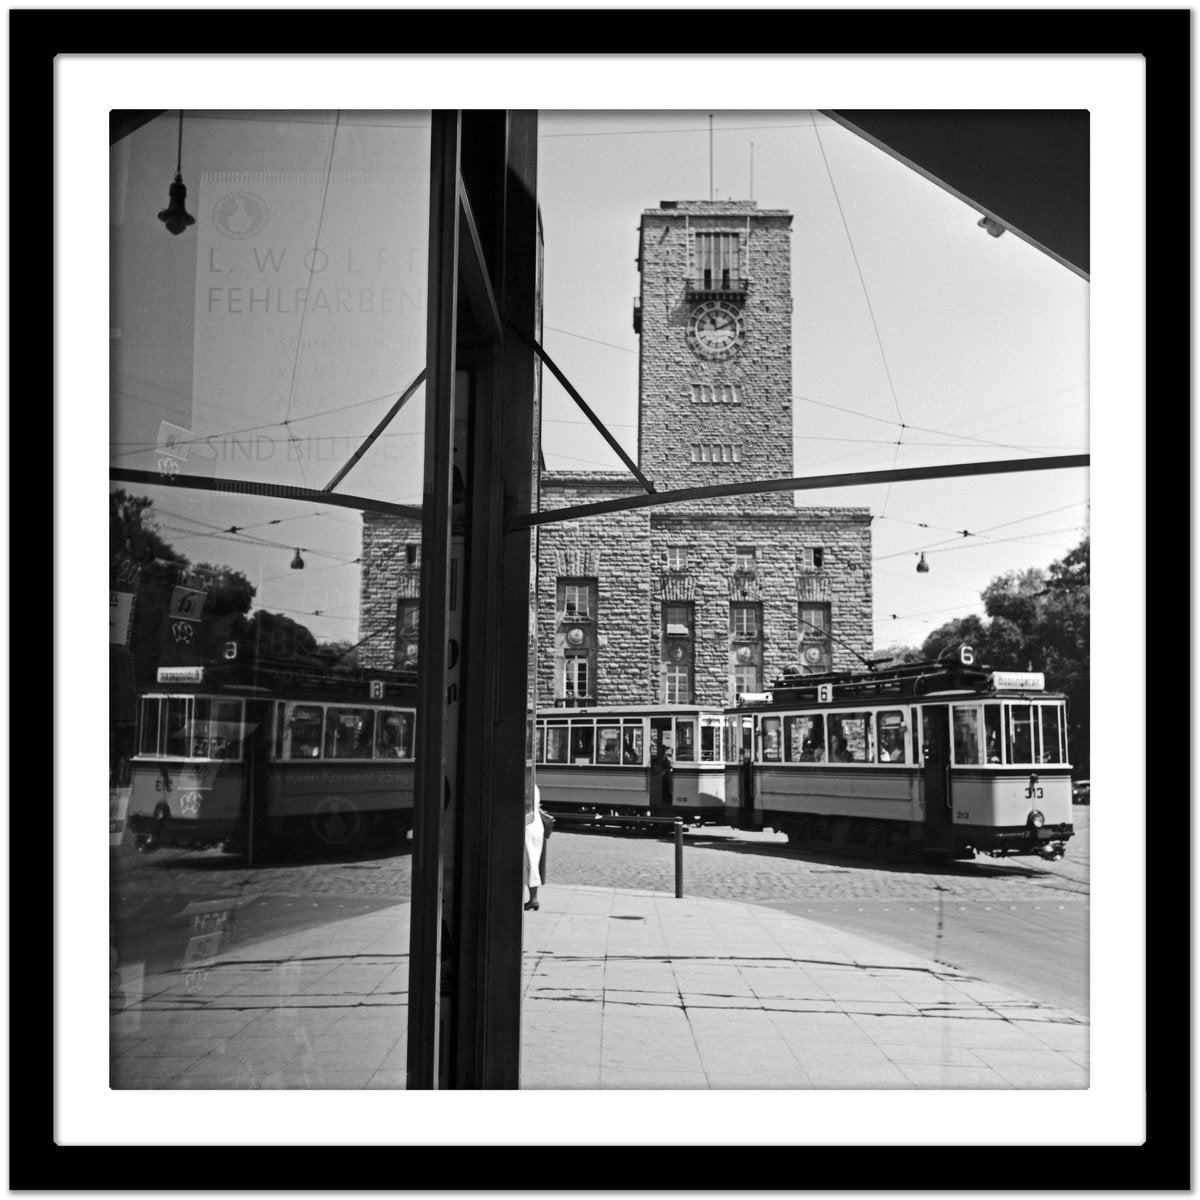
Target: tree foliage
1036	621
141	561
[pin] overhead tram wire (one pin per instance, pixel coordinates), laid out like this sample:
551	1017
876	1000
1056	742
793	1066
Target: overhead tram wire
201	439
312	262
887	370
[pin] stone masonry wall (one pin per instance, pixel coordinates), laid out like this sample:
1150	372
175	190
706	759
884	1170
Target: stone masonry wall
386	577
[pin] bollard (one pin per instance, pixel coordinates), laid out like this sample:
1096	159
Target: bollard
678	859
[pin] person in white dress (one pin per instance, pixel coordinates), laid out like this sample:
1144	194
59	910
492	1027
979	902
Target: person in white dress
534	836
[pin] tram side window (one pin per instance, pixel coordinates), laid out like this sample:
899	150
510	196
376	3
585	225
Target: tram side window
731	739
217	728
540	746
349	732
608	743
710	740
396	735
892	736
151	717
178	727
805	740
304	731
631	743
556	743
772	739
967	748
685	740
583	739
991	731
849	737
1022	733
1052	733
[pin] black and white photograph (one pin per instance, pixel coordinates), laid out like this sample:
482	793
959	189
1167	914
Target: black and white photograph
599	556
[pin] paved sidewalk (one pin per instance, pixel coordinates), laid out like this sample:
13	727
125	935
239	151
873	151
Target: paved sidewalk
622	989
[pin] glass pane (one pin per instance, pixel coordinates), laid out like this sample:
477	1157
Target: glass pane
263	345
608	744
631	752
685	739
1020	733
967	748
395	735
991	725
850	737
893	737
582	742
1051	734
302	731
556	744
178	740
772	739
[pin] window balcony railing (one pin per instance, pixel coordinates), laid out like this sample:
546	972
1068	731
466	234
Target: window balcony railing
717	285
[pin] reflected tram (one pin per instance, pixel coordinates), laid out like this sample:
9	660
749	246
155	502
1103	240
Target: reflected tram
260	760
940	756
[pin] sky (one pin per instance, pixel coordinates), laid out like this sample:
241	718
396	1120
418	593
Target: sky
917	338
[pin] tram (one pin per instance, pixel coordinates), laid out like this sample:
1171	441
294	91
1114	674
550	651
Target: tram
254	760
635	761
945	757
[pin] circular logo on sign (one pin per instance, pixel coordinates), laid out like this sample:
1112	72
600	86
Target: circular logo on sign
335	821
240	214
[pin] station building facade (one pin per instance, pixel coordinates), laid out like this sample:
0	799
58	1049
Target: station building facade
697	601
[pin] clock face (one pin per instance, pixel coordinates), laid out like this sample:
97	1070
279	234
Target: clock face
716	330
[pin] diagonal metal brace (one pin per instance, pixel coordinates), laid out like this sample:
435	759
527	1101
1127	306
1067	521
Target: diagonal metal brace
533	344
391	412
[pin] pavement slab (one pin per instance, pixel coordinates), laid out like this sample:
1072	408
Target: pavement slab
622	989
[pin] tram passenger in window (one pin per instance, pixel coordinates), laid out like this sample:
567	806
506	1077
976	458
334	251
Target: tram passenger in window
811	751
891	747
993	748
630	751
838	750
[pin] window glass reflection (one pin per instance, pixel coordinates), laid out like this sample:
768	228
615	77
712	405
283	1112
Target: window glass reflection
262	733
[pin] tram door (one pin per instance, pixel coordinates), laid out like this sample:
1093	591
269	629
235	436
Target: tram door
935	749
746	774
662	754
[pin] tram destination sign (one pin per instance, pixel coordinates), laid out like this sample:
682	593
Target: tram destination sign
180	675
1018	681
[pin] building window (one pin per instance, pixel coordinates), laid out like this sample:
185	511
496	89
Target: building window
745	558
576	677
577	597
678	641
816	654
677	558
716	452
745	620
718	261
716	393
412	553
408	627
811	558
745	679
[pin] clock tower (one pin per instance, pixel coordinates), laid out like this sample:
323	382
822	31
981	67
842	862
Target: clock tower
714	315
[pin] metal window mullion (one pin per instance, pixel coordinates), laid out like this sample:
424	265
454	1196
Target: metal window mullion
424	1007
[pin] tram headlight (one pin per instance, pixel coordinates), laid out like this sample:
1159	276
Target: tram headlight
1036	819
